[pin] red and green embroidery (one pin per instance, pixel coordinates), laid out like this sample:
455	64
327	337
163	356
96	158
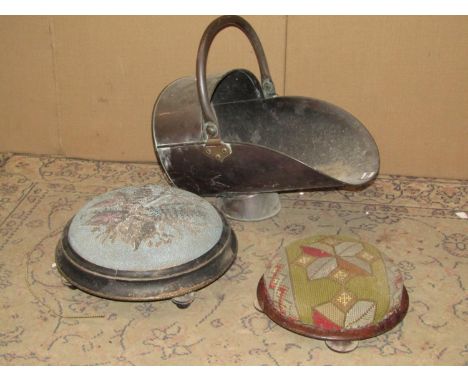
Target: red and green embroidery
334	282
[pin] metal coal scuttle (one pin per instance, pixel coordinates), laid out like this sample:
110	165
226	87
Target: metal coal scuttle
232	136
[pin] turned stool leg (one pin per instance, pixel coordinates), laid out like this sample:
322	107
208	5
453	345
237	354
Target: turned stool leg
342	346
67	283
184	301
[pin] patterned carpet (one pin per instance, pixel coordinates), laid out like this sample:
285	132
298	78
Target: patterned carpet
412	220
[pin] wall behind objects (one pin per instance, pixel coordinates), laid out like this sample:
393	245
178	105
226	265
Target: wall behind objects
405	78
85	86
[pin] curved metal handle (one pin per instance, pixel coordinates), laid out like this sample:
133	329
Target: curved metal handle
215	147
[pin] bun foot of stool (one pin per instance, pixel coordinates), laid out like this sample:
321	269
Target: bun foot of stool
67	283
184	301
342	346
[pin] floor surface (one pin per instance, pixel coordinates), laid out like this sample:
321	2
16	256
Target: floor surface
412	220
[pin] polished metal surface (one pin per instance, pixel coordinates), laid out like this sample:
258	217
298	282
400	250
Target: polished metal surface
230	134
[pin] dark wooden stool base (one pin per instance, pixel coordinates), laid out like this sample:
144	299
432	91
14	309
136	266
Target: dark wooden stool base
67	283
175	283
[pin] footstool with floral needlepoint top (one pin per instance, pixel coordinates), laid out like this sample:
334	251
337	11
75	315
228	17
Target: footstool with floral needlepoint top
334	288
145	243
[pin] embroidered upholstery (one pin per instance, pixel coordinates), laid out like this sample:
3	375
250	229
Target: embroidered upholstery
333	283
145	228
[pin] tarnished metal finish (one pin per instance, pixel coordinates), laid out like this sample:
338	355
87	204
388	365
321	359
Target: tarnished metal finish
250	169
316	133
177	115
238	137
146	285
216	26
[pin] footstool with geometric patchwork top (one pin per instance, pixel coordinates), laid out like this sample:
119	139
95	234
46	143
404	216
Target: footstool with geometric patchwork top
333	288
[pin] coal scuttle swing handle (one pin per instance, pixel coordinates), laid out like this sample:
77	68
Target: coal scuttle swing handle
215	147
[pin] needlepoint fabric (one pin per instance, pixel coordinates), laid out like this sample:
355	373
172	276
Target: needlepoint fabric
145	228
333	283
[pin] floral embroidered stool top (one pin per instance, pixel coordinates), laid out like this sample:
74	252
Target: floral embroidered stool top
145	235
334	288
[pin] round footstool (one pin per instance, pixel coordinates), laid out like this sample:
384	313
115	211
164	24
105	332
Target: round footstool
333	288
145	243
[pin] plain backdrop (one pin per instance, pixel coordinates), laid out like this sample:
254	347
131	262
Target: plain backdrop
84	86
